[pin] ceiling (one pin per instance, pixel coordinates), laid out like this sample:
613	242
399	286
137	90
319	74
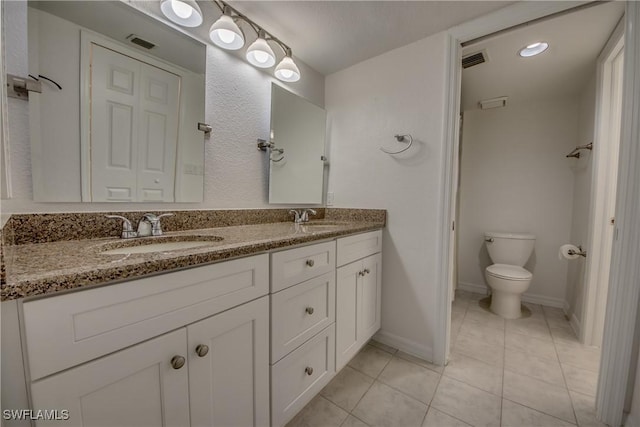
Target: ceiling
575	41
332	35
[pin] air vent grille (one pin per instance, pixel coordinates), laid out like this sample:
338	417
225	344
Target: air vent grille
474	59
140	42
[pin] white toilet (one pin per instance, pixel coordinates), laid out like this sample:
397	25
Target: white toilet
507	277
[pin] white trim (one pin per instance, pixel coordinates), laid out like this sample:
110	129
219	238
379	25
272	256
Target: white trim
566	309
575	324
598	247
7	189
624	281
526	297
507	17
631	421
405	345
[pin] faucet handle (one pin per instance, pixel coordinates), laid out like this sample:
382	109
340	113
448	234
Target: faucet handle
156	227
305	214
127	228
298	216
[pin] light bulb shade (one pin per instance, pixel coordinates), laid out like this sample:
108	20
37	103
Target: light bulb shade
226	34
183	12
287	70
260	54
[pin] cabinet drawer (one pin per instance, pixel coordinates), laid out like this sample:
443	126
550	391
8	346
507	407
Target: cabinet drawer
297	265
67	330
300	312
297	378
359	246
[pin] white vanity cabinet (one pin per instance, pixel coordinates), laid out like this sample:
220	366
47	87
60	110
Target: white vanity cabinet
178	349
302	326
358	293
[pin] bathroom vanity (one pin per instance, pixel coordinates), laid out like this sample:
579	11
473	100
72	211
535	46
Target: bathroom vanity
247	340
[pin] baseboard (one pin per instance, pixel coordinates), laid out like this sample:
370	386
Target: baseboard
415	349
527	297
566	309
575	324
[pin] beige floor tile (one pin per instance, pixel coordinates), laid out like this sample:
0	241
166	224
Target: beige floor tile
467	403
478	349
515	415
530	326
553	312
577	355
580	380
437	418
474	372
558	322
486	319
382	346
385	406
563	334
352	421
418	361
585	407
347	388
319	412
371	360
538	395
489	336
533	346
546	370
411	379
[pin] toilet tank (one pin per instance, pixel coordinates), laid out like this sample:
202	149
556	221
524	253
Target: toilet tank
509	248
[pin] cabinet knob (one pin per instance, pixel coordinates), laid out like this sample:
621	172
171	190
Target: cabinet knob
310	262
366	271
309	310
360	273
177	362
202	350
308	370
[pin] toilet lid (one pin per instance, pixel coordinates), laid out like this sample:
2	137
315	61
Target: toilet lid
512	272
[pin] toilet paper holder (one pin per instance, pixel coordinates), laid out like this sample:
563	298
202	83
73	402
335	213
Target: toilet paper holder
581	252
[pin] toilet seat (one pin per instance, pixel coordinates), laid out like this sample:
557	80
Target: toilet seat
509	272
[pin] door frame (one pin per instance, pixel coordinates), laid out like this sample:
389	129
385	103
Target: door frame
600	208
624	288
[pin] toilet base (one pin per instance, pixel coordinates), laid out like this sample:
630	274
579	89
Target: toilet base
506	304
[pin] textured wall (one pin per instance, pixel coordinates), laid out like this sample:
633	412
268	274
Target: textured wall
237	106
401	91
514	177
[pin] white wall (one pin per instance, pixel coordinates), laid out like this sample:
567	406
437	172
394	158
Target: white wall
515	177
582	171
401	91
238	100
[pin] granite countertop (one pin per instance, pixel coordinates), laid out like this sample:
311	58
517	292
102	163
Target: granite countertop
47	268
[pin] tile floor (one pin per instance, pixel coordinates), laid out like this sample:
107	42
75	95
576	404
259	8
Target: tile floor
518	373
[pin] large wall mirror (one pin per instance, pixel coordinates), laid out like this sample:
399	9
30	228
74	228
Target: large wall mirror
120	123
297	157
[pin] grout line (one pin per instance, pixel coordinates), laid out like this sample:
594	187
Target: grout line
542	412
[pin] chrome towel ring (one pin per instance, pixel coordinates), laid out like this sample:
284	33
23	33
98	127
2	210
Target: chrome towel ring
400	138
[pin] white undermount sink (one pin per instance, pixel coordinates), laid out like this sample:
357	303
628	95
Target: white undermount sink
161	245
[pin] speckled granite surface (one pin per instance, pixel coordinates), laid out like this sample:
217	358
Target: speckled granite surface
46	268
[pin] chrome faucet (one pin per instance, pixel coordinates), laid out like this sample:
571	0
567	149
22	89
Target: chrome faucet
127	228
149	225
302	215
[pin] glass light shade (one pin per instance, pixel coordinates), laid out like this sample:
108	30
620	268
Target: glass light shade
226	34
287	70
183	12
533	49
260	54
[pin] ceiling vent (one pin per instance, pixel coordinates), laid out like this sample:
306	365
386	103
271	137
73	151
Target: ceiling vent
474	59
140	42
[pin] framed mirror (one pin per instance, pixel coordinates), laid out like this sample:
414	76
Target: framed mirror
297	156
122	97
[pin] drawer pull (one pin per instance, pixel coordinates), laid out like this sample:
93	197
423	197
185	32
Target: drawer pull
177	362
202	350
309	310
308	370
310	262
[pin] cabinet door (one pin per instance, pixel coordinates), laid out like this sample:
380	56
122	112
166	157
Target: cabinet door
369	295
229	385
347	279
134	387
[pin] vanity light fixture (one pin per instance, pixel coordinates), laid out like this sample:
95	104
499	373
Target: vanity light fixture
183	12
533	49
227	34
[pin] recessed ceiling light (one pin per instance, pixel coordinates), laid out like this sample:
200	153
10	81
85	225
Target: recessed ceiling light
533	49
